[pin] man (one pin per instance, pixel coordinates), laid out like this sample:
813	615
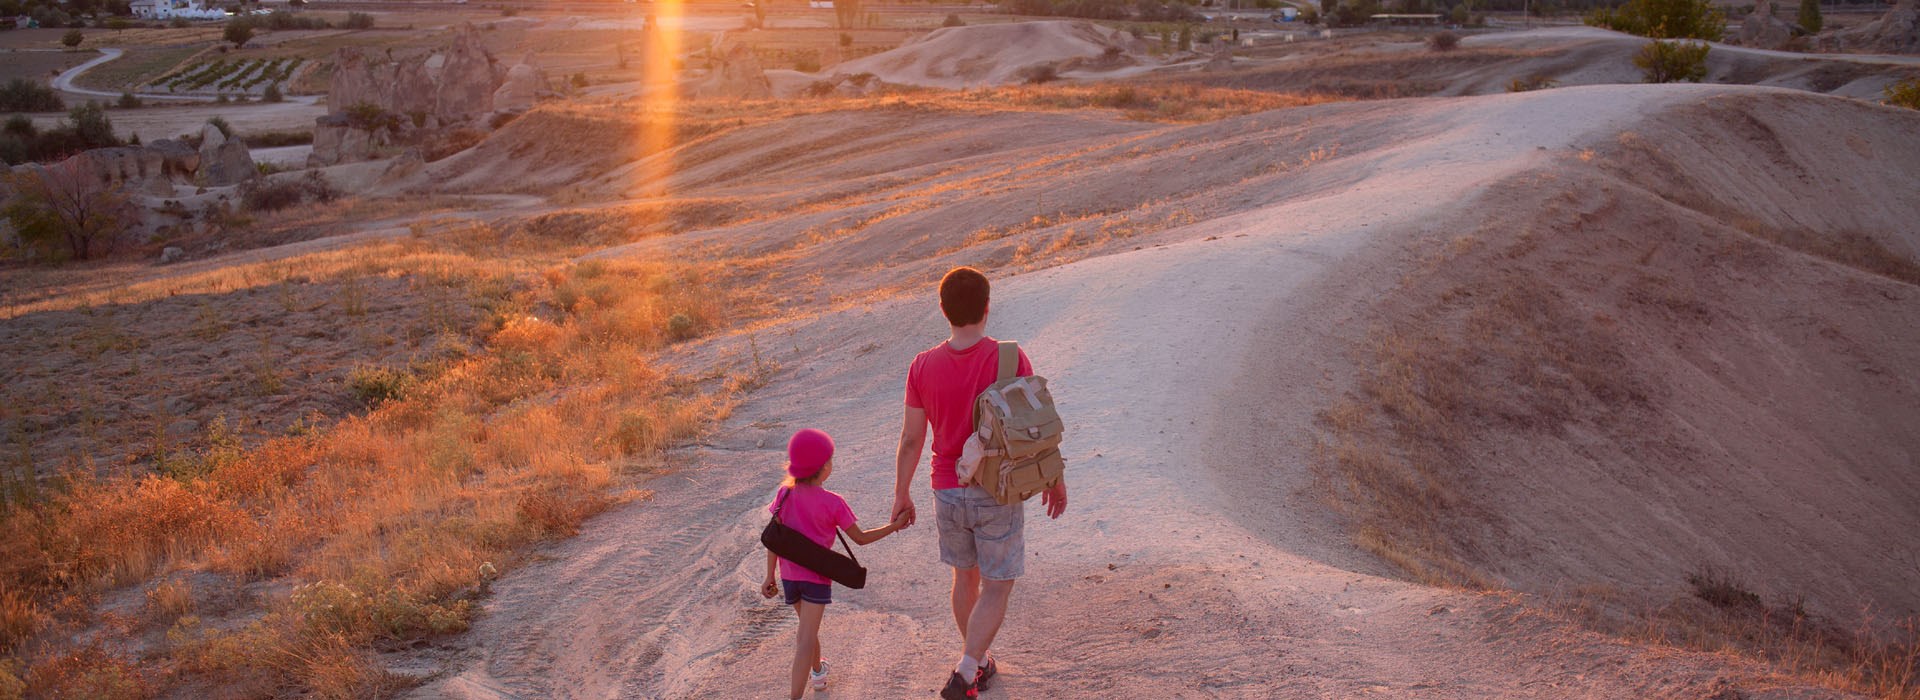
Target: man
983	541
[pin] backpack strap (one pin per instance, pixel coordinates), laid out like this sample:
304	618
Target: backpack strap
1009	359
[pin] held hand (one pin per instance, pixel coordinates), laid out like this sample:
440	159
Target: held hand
903	507
901	521
769	589
1055	499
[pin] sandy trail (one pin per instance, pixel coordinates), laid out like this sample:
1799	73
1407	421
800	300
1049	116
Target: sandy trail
1189	373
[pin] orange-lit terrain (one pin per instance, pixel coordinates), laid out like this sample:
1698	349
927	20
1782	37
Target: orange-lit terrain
1388	370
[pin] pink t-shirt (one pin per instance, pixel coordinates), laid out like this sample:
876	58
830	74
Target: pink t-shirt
944	382
816	513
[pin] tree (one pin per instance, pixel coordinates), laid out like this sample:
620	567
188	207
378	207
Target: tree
238	32
64	206
91	125
846	12
272	93
72	38
1673	61
1186	37
1810	18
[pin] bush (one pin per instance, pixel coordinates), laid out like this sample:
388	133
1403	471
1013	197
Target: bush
238	33
277	139
579	80
1810	18
1672	61
262	194
128	100
1444	41
1039	73
1460	14
72	39
1664	19
272	93
806	61
953	20
1531	83
510	12
375	385
368	117
846	40
1905	93
357	20
179	23
681	327
23	95
220	123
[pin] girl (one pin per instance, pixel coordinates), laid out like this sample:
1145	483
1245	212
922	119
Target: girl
816	512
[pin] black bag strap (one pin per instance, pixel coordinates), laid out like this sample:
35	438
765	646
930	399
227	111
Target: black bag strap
780	502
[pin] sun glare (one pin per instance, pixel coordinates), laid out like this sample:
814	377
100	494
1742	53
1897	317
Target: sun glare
663	36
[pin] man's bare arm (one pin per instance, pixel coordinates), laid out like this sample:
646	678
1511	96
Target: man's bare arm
913	441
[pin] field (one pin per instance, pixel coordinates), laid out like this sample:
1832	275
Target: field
1476	371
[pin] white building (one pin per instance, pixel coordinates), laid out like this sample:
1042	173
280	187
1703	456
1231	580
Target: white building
168	9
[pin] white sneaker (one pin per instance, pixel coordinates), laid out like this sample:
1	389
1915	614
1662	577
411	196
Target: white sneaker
819	676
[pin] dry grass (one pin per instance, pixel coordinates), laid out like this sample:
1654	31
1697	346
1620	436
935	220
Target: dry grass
1876	657
389	522
1500	353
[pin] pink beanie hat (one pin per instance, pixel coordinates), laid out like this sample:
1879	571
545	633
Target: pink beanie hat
807	452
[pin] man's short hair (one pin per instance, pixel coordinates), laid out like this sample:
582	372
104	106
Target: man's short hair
963	296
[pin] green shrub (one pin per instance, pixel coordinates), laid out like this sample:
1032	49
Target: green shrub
1444	41
272	93
1039	73
72	39
128	100
953	20
23	95
374	385
1810	18
1673	61
681	326
1905	93
220	123
1664	19
1531	83
357	20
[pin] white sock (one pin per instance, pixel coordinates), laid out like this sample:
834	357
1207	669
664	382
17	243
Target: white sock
968	666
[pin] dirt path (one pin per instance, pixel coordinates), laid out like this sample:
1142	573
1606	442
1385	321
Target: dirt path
1189	566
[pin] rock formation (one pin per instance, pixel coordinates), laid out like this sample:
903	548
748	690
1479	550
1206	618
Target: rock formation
224	162
455	84
523	84
733	72
1897	32
1761	29
381	99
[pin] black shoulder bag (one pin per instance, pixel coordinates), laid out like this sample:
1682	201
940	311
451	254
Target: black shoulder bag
792	545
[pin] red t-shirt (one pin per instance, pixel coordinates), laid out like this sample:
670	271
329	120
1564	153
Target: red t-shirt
944	382
816	513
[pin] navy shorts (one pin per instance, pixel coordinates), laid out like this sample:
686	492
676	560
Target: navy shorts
821	593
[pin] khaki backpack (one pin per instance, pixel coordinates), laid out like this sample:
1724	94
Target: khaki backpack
1014	451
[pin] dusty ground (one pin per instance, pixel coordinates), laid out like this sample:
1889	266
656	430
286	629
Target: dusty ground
1195	531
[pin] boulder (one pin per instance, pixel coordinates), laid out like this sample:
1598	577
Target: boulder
518	91
1896	32
224	162
1763	30
179	160
172	254
733	72
133	168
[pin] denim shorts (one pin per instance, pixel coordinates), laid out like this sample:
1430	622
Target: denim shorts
821	593
976	531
